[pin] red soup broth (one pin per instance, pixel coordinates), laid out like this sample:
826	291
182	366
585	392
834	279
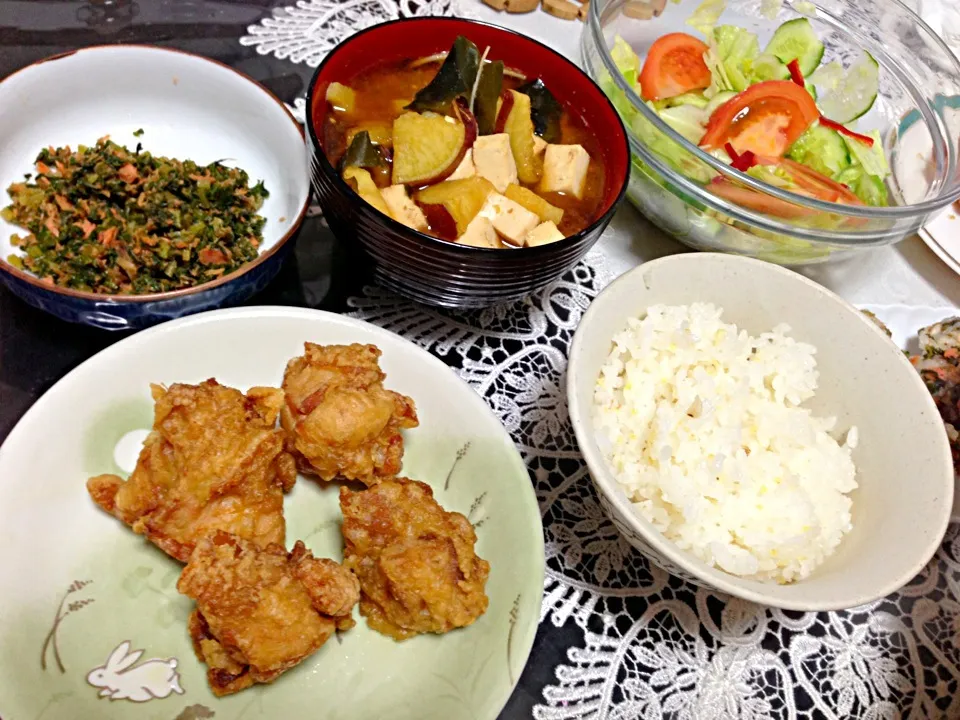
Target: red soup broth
382	91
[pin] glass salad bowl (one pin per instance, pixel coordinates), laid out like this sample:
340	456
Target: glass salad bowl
795	132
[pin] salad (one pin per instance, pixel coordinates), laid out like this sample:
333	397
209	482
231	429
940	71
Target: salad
775	113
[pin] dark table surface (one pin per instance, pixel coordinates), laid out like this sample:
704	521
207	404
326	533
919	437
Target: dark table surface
36	349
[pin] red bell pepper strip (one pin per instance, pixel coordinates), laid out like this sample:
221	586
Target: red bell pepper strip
740	161
794	67
865	139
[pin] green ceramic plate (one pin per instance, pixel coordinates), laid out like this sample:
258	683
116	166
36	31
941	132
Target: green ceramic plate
76	584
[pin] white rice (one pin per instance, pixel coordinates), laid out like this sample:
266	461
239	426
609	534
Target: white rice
702	426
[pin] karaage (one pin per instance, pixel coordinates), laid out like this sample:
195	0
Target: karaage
214	461
339	419
415	561
261	611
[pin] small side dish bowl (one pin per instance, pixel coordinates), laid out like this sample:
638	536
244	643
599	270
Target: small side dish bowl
426	268
188	108
901	509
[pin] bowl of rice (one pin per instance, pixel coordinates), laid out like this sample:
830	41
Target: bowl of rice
751	432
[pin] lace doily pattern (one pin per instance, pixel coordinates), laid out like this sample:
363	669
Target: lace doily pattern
307	31
655	645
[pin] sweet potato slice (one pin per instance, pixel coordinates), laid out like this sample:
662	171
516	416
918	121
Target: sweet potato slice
361	181
440	222
519	126
341	97
426	148
535	204
461	198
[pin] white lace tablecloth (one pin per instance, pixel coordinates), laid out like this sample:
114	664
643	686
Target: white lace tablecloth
653	645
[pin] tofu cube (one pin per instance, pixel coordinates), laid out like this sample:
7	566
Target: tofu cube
543	234
402	208
539	145
565	169
511	220
493	160
480	233
466	167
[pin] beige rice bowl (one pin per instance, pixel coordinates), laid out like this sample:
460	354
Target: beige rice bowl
703	428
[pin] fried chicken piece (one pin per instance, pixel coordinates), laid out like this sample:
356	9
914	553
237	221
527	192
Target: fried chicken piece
416	562
214	461
261	611
339	419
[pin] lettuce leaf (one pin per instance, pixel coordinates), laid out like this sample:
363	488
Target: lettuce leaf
868	188
626	60
695	98
770	8
689	121
719	82
670	151
737	48
705	17
871	157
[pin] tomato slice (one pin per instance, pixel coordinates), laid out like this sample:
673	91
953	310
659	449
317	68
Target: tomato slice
814	184
760	202
766	119
674	66
808	182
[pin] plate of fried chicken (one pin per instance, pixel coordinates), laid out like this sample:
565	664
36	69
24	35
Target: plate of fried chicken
264	513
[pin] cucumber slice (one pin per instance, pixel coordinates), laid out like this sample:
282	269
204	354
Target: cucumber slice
828	77
822	149
768	67
847	96
796	40
717	100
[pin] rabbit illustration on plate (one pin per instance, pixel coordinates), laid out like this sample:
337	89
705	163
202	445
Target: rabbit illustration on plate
148	680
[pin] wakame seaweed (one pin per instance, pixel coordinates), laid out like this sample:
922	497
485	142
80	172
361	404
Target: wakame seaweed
545	111
488	92
454	79
363	153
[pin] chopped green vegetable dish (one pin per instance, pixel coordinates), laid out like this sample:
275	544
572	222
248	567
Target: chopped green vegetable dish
107	220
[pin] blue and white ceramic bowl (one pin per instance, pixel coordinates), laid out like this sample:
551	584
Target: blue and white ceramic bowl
188	107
